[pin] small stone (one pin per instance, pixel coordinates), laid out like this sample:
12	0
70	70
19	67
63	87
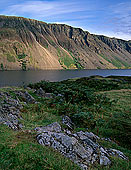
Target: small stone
94	158
81	135
68	132
25	96
10	111
119	154
104	161
40	92
92	136
103	151
84	167
48	95
67	122
54	127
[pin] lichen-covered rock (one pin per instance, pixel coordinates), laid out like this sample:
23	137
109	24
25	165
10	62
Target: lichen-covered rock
68	146
25	96
80	147
40	92
10	111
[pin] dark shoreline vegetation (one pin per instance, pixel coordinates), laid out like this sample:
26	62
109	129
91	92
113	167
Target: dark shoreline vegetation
101	105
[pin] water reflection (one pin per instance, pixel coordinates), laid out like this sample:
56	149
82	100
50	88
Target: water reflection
16	78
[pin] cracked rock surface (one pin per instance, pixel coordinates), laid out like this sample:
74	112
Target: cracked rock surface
10	111
10	108
80	147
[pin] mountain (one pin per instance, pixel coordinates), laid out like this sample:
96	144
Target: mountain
31	44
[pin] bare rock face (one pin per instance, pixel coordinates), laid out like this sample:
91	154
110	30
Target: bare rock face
80	147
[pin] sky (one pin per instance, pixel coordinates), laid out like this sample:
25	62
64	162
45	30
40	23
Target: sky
105	17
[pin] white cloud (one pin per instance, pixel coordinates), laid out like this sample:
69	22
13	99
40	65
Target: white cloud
122	20
45	8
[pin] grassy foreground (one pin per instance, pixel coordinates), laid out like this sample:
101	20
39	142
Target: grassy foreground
102	105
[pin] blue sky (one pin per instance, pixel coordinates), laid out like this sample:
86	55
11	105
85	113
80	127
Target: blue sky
108	17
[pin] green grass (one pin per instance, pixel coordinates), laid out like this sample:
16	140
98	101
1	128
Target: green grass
21	56
117	119
89	104
116	63
112	61
77	63
65	59
106	58
11	58
19	150
37	115
118	60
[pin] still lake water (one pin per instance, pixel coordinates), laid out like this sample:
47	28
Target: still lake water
17	78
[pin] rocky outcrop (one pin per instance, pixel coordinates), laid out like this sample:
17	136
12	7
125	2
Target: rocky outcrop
40	92
10	107
81	147
10	111
25	97
67	122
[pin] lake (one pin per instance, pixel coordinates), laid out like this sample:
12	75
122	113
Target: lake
17	78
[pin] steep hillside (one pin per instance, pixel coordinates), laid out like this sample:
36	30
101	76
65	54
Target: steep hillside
31	44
